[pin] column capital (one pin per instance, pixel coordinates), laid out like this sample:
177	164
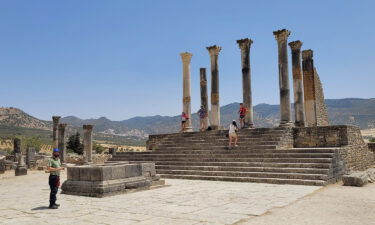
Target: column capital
244	43
62	125
186	56
295	45
214	50
56	119
88	127
307	54
281	35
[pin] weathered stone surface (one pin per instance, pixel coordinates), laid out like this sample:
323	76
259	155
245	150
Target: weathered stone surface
215	99
353	150
244	45
108	179
30	157
299	103
2	165
55	120
186	99
355	179
21	171
316	110
371	146
61	142
87	142
285	111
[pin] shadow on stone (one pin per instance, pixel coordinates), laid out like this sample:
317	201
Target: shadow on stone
40	208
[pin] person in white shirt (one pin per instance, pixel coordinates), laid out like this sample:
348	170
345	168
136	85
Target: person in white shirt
232	134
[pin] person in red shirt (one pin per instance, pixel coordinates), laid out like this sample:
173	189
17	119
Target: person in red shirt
242	113
184	118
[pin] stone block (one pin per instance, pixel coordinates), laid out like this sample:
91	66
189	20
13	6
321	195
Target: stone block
118	172
133	170
21	171
96	173
355	179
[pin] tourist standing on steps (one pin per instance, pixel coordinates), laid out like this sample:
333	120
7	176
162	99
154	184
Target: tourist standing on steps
233	134
242	112
184	118
202	116
54	168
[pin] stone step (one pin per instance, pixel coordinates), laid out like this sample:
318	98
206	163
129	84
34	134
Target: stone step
206	143
244	169
227	159
201	151
247	179
246	164
232	154
213	147
219	151
213	138
246	174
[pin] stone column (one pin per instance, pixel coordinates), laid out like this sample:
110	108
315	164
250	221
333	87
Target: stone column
245	45
21	168
186	100
56	120
215	104
309	87
30	157
204	97
16	149
87	142
299	107
285	112
61	142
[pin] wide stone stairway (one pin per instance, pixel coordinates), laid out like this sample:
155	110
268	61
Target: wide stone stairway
263	155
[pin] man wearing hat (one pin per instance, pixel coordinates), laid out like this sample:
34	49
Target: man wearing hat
54	167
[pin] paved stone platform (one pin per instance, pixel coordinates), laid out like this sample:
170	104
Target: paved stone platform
24	200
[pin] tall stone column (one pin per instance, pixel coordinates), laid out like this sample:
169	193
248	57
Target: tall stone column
285	112
299	107
215	104
204	97
56	120
16	149
61	141
309	87
186	99
245	45
87	142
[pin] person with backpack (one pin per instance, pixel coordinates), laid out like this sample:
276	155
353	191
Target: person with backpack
54	168
233	134
242	111
202	116
184	119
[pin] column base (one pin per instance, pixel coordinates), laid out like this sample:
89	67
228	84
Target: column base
187	129
286	124
299	124
249	126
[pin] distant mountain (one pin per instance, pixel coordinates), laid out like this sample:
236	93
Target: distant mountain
351	111
17	118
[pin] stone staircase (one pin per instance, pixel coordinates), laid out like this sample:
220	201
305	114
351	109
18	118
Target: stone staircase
264	155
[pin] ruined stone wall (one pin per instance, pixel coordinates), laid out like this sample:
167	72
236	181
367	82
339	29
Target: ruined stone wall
371	146
320	106
353	150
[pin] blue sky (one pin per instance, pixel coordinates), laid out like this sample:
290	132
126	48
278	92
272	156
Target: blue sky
120	59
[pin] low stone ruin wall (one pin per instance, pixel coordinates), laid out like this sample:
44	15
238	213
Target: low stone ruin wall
109	179
353	150
371	146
